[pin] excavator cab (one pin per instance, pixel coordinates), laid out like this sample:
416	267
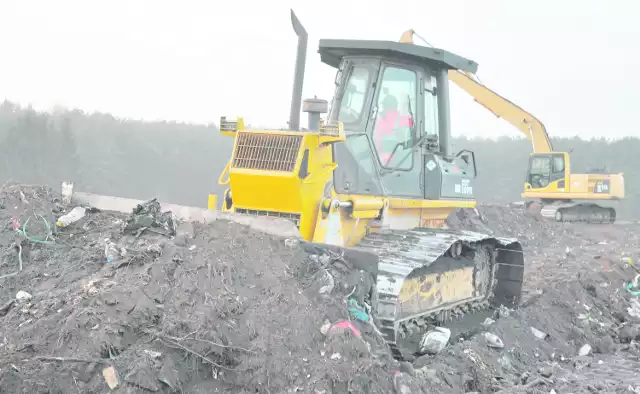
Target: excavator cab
548	171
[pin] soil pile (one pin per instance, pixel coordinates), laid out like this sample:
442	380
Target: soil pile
214	308
577	327
138	304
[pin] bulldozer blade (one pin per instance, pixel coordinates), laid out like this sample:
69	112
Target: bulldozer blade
270	225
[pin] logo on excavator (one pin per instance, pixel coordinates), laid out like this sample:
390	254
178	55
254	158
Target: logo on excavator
464	187
601	187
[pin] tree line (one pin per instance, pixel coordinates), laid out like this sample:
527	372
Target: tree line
180	162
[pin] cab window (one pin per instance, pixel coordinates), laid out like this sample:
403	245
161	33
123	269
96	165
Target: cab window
355	94
394	118
540	166
558	164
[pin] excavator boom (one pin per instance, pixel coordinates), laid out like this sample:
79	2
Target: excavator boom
528	124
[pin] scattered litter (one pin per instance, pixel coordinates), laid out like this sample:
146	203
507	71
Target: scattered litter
545	371
633	287
67	192
111	377
342	326
503	312
73	216
292	242
111	251
215	320
634	309
538	334
153	353
357	312
330	283
324	329
434	341
148	216
23	296
584	350
493	340
488	321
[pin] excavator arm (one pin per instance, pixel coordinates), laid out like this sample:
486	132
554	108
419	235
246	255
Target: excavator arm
531	127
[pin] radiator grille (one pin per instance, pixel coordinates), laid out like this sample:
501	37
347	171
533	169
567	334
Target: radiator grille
294	217
269	152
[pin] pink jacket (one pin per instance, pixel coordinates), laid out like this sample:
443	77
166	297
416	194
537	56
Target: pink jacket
384	128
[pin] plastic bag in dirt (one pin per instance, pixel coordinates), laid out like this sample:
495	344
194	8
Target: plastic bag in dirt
148	215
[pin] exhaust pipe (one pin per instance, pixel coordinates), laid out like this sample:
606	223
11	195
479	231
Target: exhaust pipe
298	79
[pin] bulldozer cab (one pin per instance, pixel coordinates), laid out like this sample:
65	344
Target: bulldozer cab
392	99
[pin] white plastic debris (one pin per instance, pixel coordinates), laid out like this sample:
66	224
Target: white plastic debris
291	242
67	192
488	321
329	283
435	340
336	356
74	215
153	353
503	312
493	340
584	350
23	296
111	251
324	329
111	377
538	334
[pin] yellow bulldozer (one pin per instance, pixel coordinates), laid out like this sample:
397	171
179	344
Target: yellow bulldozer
550	188
374	182
377	181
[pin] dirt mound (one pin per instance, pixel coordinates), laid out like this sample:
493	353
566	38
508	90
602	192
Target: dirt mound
216	308
574	301
198	308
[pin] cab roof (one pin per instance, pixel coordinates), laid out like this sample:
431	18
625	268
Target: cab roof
332	51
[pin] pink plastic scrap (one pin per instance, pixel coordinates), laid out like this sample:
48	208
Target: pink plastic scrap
345	325
15	223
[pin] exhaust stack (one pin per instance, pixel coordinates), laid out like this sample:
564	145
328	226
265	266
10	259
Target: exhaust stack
298	79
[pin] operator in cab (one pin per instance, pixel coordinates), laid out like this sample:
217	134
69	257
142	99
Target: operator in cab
388	128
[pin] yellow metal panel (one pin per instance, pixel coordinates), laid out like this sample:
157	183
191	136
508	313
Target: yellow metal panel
579	183
408	203
372	214
212	203
426	292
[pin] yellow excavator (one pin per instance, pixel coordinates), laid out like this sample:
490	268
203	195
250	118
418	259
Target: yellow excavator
550	187
377	180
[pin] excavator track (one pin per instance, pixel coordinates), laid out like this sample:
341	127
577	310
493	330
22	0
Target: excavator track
578	213
428	277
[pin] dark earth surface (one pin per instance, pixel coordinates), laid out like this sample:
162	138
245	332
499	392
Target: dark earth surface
222	308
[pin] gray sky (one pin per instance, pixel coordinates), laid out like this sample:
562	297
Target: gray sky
568	62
